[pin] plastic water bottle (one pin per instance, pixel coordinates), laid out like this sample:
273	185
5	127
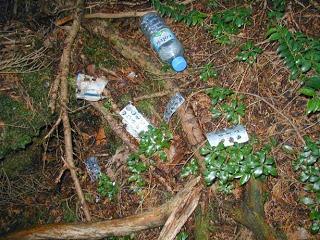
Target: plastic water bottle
163	41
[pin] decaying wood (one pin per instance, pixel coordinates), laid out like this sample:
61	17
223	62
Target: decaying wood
118	227
180	215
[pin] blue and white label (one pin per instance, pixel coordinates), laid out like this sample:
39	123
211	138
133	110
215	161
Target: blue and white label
161	37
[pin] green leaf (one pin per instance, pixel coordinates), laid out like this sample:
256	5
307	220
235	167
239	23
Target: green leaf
307	201
245	178
258	171
307	91
313	82
313	105
304	177
305	67
274	36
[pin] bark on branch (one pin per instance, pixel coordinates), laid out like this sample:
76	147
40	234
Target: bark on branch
118	227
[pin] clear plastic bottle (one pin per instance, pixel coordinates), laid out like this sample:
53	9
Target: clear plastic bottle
163	41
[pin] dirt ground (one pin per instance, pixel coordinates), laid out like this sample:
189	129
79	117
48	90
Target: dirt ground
43	193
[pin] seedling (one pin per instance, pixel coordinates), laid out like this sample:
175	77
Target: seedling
182	236
226	103
229	22
154	141
106	187
308	165
178	12
208	72
301	55
136	167
249	53
240	161
191	168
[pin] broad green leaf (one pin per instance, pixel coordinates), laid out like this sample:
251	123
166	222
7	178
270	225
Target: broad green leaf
245	178
274	36
258	171
313	82
307	91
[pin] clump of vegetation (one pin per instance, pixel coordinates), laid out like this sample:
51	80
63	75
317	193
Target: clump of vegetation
301	55
248	53
229	22
208	72
227	104
191	168
137	168
240	161
107	187
154	141
179	12
277	9
308	165
183	235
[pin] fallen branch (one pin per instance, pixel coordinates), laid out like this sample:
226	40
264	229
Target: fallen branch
62	78
118	227
180	215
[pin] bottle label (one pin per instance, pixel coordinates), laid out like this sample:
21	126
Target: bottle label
161	37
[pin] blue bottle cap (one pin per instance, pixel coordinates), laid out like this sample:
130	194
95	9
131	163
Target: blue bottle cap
179	64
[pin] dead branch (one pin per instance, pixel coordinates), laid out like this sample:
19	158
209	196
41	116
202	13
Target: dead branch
118	227
180	215
62	77
64	62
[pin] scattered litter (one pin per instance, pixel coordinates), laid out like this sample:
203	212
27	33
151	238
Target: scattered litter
132	75
134	121
228	136
90	88
172	106
93	168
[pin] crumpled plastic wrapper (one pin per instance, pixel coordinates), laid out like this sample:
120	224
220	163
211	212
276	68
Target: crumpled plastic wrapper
90	88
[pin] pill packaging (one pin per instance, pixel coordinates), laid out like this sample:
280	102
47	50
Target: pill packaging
134	121
228	136
174	103
93	168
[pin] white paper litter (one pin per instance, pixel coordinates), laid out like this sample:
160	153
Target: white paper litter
228	136
134	121
90	88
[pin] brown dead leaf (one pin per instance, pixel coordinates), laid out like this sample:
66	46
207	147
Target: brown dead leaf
101	136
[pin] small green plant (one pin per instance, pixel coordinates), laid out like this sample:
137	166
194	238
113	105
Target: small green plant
106	187
107	104
154	141
213	4
136	167
69	215
301	55
182	236
226	103
191	168
240	161
179	12
229	22
248	53
208	72
308	165
277	9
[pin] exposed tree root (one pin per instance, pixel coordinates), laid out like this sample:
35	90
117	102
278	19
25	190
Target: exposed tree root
118	227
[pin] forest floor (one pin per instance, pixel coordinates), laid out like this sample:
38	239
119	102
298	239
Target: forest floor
275	113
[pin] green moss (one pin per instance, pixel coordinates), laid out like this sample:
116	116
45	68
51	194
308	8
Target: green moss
99	52
22	122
